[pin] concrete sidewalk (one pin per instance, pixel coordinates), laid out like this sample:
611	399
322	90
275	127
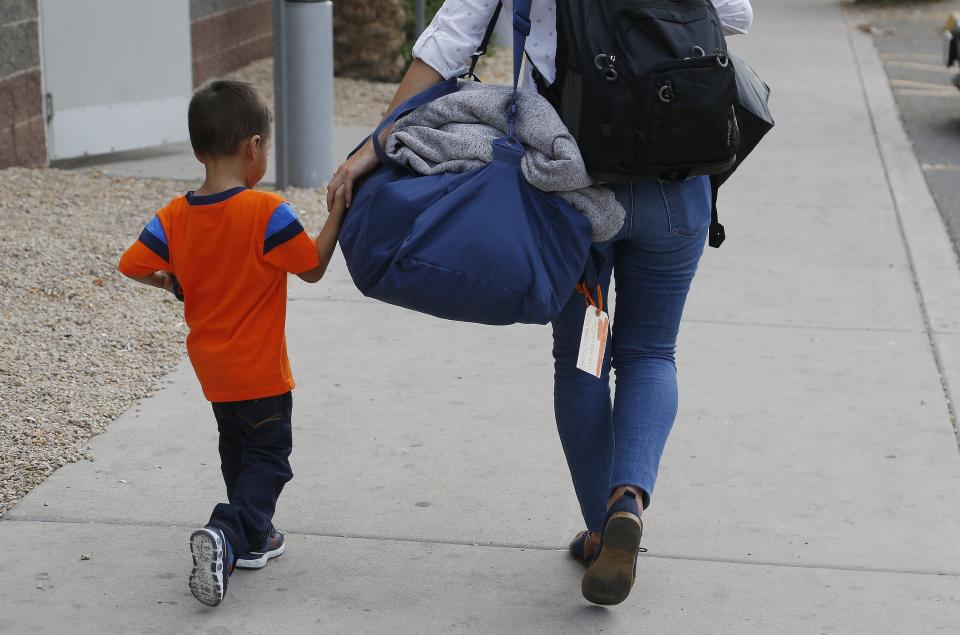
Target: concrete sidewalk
812	483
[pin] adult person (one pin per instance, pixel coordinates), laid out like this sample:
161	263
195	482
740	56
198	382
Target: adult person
613	450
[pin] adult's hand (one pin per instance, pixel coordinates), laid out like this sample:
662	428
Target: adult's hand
350	171
418	77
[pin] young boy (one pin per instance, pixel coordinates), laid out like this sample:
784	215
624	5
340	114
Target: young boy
225	250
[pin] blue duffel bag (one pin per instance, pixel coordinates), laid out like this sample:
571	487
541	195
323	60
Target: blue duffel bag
481	246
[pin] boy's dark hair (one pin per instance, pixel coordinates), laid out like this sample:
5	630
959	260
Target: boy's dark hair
223	114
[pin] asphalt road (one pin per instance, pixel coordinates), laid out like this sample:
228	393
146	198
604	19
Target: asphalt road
910	43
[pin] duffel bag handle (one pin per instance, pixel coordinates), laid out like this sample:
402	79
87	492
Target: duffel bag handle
424	97
521	29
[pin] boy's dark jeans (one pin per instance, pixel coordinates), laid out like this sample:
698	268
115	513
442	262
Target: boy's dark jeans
255	445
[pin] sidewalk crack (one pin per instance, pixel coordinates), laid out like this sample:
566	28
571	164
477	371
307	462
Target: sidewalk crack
508	545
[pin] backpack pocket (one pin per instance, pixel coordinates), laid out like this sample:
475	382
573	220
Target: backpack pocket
691	126
600	126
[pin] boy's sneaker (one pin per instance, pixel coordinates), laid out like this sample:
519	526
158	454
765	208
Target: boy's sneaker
212	565
257	558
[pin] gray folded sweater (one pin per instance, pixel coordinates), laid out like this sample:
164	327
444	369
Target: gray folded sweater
454	134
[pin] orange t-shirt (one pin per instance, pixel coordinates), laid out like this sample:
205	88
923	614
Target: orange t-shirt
231	253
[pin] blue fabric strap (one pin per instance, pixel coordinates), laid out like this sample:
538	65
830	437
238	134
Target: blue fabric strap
521	29
424	97
591	270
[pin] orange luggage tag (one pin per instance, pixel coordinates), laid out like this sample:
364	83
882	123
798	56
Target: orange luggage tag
593	338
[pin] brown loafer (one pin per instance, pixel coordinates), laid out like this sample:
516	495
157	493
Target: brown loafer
610	577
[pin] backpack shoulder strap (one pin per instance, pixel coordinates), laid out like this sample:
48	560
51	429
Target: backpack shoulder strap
484	43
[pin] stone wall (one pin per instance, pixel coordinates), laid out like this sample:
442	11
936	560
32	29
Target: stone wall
22	133
228	34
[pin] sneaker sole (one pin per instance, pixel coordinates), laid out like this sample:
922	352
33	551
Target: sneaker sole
261	562
206	578
609	579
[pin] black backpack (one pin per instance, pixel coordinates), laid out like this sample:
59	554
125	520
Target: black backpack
646	87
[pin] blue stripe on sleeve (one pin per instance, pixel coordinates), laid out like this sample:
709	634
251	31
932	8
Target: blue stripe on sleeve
283	226
281	217
155	228
292	230
155	239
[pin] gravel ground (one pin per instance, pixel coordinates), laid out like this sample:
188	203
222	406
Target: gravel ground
79	343
360	103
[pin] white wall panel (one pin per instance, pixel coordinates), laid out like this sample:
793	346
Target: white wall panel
118	73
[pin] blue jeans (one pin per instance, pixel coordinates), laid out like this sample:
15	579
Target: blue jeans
255	446
654	258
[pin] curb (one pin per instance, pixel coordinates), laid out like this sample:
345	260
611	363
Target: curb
933	262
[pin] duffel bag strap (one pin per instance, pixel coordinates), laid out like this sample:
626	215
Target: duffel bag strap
435	92
521	29
590	281
424	97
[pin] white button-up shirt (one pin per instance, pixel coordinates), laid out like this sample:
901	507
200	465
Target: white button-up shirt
458	27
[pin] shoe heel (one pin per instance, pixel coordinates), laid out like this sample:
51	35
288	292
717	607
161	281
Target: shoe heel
611	576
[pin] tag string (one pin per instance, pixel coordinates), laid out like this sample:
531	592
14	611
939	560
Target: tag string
588	296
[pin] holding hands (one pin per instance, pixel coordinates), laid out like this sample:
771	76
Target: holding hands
349	173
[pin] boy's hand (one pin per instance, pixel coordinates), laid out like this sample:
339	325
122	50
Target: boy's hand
172	285
339	207
327	238
161	280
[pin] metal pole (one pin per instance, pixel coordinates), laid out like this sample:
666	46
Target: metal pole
308	98
420	20
281	178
